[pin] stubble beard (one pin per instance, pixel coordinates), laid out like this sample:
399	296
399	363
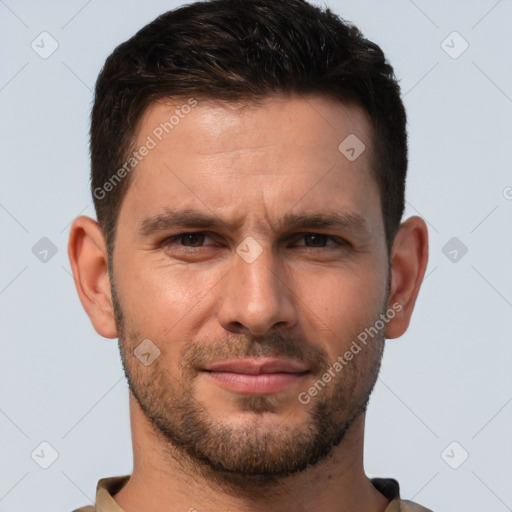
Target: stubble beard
244	458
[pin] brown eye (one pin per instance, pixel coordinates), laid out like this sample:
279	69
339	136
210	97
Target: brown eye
192	239
315	240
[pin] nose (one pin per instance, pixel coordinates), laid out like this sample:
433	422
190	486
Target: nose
257	296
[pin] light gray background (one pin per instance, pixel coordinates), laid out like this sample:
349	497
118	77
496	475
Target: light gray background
448	379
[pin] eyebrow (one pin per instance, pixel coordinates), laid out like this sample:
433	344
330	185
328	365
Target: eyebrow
188	218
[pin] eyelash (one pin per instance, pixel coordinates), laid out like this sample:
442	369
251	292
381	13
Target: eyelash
337	241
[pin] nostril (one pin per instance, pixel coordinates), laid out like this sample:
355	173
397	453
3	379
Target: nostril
237	328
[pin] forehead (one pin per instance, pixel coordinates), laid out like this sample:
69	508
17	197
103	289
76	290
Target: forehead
300	153
312	123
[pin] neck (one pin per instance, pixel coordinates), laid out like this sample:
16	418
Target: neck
164	481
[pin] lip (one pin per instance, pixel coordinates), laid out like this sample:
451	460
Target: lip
260	376
256	366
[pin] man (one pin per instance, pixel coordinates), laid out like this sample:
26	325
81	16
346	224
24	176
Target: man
248	173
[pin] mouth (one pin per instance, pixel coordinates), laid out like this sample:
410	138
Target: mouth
259	376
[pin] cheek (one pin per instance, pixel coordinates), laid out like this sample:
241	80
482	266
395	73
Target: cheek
340	305
156	297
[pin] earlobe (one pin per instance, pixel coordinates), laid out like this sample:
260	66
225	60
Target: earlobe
409	259
87	251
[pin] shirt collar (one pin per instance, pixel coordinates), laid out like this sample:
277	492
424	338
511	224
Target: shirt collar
106	489
109	487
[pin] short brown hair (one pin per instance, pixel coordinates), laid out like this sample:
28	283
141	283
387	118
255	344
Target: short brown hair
239	50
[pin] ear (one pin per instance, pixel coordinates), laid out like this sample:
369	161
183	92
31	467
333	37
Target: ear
87	251
409	258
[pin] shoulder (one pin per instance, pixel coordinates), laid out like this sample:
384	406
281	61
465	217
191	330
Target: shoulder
398	505
409	506
390	488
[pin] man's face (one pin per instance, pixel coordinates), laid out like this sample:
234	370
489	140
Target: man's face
245	325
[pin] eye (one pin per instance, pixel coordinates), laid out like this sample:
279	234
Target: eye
315	240
187	239
192	239
320	240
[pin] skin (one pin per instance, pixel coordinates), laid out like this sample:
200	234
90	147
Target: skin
250	167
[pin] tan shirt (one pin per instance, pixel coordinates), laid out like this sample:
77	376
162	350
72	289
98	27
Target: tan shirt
108	487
